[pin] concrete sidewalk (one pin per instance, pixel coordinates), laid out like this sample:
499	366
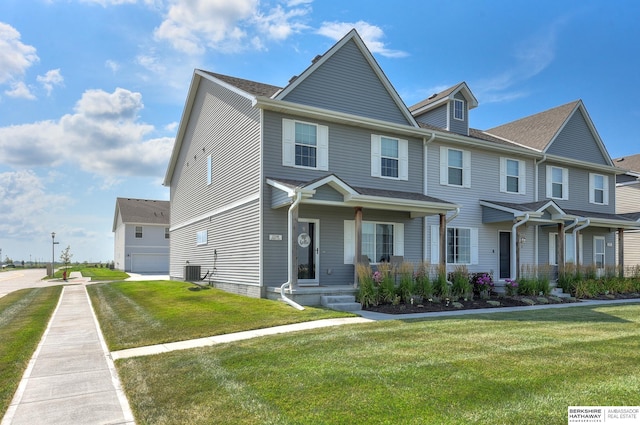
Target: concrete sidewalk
71	378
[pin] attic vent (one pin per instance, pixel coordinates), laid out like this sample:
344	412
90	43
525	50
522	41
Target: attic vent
316	59
432	96
620	160
295	77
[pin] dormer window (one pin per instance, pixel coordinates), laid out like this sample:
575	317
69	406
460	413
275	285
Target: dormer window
458	109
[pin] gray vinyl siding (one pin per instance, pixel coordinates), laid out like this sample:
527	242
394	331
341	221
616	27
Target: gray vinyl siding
492	215
331	267
349	157
224	125
346	83
485	185
588	235
459	126
576	141
436	117
631	249
578	189
232	251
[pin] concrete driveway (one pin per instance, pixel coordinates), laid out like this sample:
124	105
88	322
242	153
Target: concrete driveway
16	279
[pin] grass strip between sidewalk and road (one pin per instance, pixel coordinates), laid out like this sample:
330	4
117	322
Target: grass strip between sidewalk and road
136	314
24	316
500	368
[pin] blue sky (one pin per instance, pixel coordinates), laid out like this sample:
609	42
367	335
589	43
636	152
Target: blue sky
92	91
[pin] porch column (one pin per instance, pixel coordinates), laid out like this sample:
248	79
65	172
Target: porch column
293	234
560	248
443	241
358	245
621	252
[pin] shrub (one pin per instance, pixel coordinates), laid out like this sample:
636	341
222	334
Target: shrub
406	286
387	284
542	285
440	285
423	286
511	287
367	291
527	286
482	283
461	287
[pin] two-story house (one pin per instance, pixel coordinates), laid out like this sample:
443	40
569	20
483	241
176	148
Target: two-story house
628	205
291	187
141	235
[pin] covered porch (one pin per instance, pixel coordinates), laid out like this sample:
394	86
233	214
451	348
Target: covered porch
366	224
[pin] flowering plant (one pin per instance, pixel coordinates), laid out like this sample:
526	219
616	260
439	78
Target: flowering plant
511	286
485	282
377	277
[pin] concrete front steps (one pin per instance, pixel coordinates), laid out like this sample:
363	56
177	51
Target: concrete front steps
340	302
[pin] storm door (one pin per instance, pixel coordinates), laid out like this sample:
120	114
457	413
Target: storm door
308	252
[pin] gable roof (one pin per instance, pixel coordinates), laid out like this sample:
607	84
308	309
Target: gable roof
318	61
631	163
141	211
444	96
252	87
536	131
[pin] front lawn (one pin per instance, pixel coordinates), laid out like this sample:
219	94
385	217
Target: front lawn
135	314
95	273
24	316
501	368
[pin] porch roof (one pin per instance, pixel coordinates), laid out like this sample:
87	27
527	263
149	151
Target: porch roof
418	205
549	211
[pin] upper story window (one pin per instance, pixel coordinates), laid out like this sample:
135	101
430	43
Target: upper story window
598	189
305	145
209	169
458	109
201	237
166	233
389	157
455	167
512	176
557	182
138	232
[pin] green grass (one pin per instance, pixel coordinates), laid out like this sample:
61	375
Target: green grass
501	368
134	314
24	316
95	273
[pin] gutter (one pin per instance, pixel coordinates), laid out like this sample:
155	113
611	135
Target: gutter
289	301
514	241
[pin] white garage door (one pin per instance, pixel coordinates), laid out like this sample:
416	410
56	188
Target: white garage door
149	263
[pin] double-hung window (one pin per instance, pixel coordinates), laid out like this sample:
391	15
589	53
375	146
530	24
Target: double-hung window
455	167
389	157
209	169
138	232
305	145
458	109
380	241
557	182
512	176
201	237
598	189
166	233
461	245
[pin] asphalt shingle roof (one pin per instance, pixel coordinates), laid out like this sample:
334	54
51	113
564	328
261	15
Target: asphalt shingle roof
251	87
143	211
631	162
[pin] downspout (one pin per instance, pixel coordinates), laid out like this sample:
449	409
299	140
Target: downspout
514	241
536	198
575	239
455	214
425	225
293	206
572	225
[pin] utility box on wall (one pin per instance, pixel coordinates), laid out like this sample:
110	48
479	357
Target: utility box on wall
192	273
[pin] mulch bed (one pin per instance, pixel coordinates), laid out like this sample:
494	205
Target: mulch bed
427	307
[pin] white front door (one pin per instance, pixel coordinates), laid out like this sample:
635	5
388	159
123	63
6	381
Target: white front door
598	254
308	252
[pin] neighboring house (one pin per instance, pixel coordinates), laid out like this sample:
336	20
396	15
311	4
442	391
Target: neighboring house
628	204
293	186
141	235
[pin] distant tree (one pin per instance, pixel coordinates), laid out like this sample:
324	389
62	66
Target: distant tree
8	260
65	256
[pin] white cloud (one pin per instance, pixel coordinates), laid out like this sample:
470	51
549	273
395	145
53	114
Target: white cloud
15	57
114	66
104	136
50	79
23	191
20	90
371	35
531	57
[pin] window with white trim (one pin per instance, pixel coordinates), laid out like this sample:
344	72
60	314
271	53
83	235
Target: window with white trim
455	167
389	157
512	176
462	245
598	189
305	145
201	237
458	109
569	248
557	182
380	241
138	232
209	169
